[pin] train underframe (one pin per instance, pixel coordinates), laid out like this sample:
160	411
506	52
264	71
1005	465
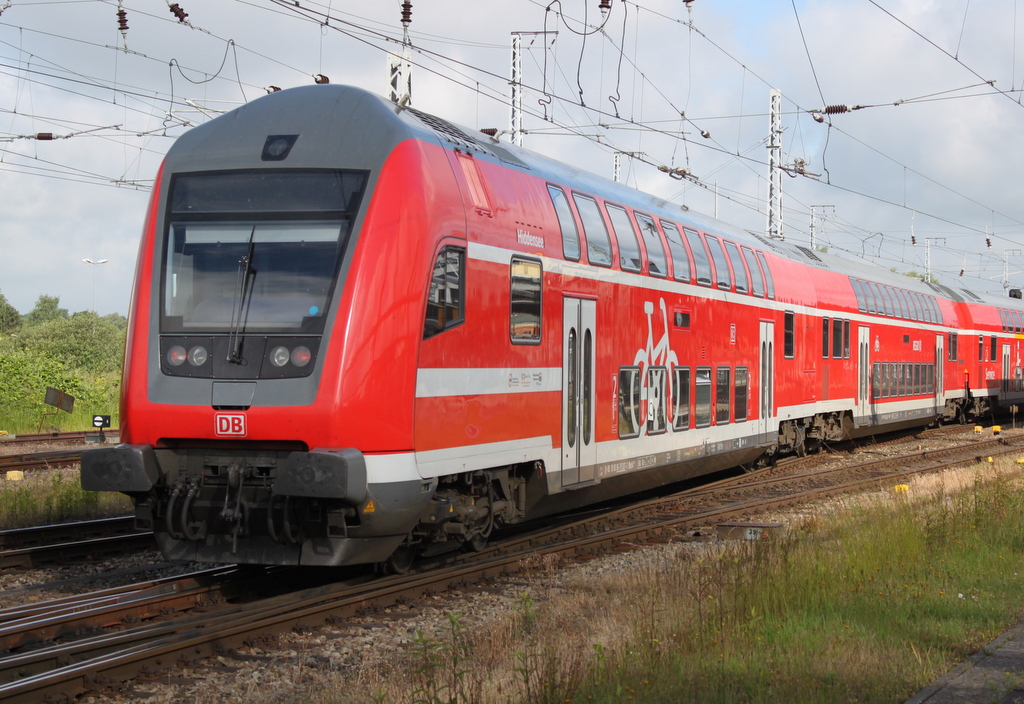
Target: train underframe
316	508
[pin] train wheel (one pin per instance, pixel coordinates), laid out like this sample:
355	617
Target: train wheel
400	560
477	543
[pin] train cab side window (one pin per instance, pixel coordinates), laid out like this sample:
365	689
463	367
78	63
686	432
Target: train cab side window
657	379
525	308
566	223
629	247
681	398
846	339
702	398
681	268
769	281
862	304
656	261
722	278
951	347
824	338
701	258
981	348
599	246
837	338
740	395
992	349
629	402
742	282
756	277
723	390
789	329
445	302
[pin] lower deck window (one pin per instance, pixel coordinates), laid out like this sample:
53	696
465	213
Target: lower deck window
629	402
702	398
681	399
722	393
657	378
740	395
526	306
445	304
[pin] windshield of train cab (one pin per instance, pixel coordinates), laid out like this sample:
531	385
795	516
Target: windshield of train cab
256	251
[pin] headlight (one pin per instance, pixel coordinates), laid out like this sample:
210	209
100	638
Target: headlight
176	356
197	356
301	356
279	356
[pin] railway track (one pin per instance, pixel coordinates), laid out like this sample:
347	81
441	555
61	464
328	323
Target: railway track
70	436
175	622
47	545
39	460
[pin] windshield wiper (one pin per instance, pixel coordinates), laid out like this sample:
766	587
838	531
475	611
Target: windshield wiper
239	307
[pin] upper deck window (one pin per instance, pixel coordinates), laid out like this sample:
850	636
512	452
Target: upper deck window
656	261
599	246
769	281
742	284
722	278
566	223
682	270
629	247
756	278
701	258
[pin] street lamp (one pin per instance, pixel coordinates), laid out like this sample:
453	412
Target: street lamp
94	263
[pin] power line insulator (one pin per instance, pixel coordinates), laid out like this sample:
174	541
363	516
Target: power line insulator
122	20
45	136
176	10
406	13
321	79
836	109
605	7
272	89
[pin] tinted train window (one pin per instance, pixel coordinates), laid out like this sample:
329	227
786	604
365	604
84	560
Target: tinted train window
951	347
680	259
837	338
566	223
992	352
525	313
917	379
723	391
756	279
722	278
876	380
981	348
702	398
846	339
824	338
740	395
788	333
629	402
657	378
862	304
681	398
769	281
629	248
599	247
656	263
701	259
445	305
742	283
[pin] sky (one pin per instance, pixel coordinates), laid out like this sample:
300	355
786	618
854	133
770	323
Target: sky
926	166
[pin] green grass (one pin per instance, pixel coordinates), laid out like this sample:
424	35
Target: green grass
55	497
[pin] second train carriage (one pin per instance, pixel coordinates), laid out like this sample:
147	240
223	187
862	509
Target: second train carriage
360	333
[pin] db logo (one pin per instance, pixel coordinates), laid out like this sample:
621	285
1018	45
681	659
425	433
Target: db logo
232	424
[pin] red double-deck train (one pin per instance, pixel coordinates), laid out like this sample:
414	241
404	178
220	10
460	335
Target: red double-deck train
360	333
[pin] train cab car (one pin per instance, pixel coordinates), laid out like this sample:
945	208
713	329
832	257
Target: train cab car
360	333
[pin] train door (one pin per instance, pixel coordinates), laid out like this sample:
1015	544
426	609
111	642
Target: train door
579	451
766	415
940	365
863	374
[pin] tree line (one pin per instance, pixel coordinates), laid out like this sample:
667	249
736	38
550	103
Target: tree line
78	353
